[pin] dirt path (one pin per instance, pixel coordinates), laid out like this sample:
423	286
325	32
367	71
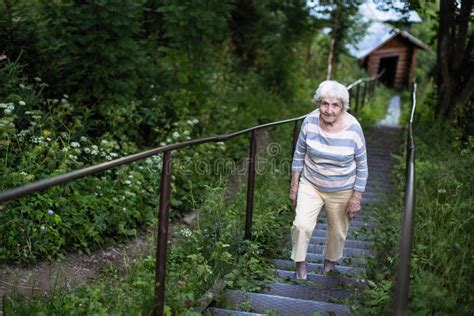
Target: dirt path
76	270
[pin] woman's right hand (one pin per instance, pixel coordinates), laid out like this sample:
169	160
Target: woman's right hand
295	181
293	194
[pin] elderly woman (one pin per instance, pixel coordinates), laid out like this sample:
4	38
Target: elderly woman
329	169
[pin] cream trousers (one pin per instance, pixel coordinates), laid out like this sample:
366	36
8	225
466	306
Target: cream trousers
309	203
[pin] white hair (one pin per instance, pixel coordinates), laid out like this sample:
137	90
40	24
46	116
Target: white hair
331	88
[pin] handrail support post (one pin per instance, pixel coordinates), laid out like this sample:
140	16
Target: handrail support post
250	186
162	235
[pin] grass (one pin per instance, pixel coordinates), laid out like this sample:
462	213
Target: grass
442	256
213	250
198	257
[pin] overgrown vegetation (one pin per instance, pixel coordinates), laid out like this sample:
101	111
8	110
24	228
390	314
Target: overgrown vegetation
440	274
72	96
211	251
87	82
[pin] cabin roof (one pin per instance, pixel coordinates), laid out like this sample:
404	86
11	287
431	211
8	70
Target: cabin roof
379	33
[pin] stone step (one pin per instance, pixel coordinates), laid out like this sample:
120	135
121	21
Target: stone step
317	268
227	312
368	201
280	305
354	225
350	243
305	292
352	235
332	282
348	252
344	261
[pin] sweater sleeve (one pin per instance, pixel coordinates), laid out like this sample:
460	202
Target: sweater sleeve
300	149
360	158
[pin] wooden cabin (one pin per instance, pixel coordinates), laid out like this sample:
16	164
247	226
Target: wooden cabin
396	57
388	49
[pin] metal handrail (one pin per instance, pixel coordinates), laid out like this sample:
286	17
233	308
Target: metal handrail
165	187
369	84
81	173
402	287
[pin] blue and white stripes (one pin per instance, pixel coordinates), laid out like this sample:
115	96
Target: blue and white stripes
332	162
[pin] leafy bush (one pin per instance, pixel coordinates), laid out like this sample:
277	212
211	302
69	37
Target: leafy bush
440	274
212	250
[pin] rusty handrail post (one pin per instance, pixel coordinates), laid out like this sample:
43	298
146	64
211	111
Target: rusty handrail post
162	236
295	139
293	144
250	186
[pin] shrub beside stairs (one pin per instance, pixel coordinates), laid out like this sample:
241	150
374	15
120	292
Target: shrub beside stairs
322	294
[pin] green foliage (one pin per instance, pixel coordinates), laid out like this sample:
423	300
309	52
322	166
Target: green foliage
440	274
374	109
212	250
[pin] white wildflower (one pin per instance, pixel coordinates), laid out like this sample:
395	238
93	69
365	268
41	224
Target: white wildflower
50	212
22	103
113	155
186	232
195	121
75	145
22	86
87	150
83	139
94	147
94	152
108	158
175	135
128	182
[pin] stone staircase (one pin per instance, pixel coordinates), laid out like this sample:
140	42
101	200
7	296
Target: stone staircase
325	294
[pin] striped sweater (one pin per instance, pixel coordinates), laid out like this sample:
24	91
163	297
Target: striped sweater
331	161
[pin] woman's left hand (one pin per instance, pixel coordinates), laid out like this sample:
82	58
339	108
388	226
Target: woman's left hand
353	206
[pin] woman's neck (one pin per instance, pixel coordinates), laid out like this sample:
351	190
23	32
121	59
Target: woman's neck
334	127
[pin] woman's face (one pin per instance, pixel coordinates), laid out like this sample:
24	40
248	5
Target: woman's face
331	109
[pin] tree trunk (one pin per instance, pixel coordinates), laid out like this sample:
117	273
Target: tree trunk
332	45
454	58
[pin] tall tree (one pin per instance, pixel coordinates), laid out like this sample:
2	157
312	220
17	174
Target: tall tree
345	24
455	56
